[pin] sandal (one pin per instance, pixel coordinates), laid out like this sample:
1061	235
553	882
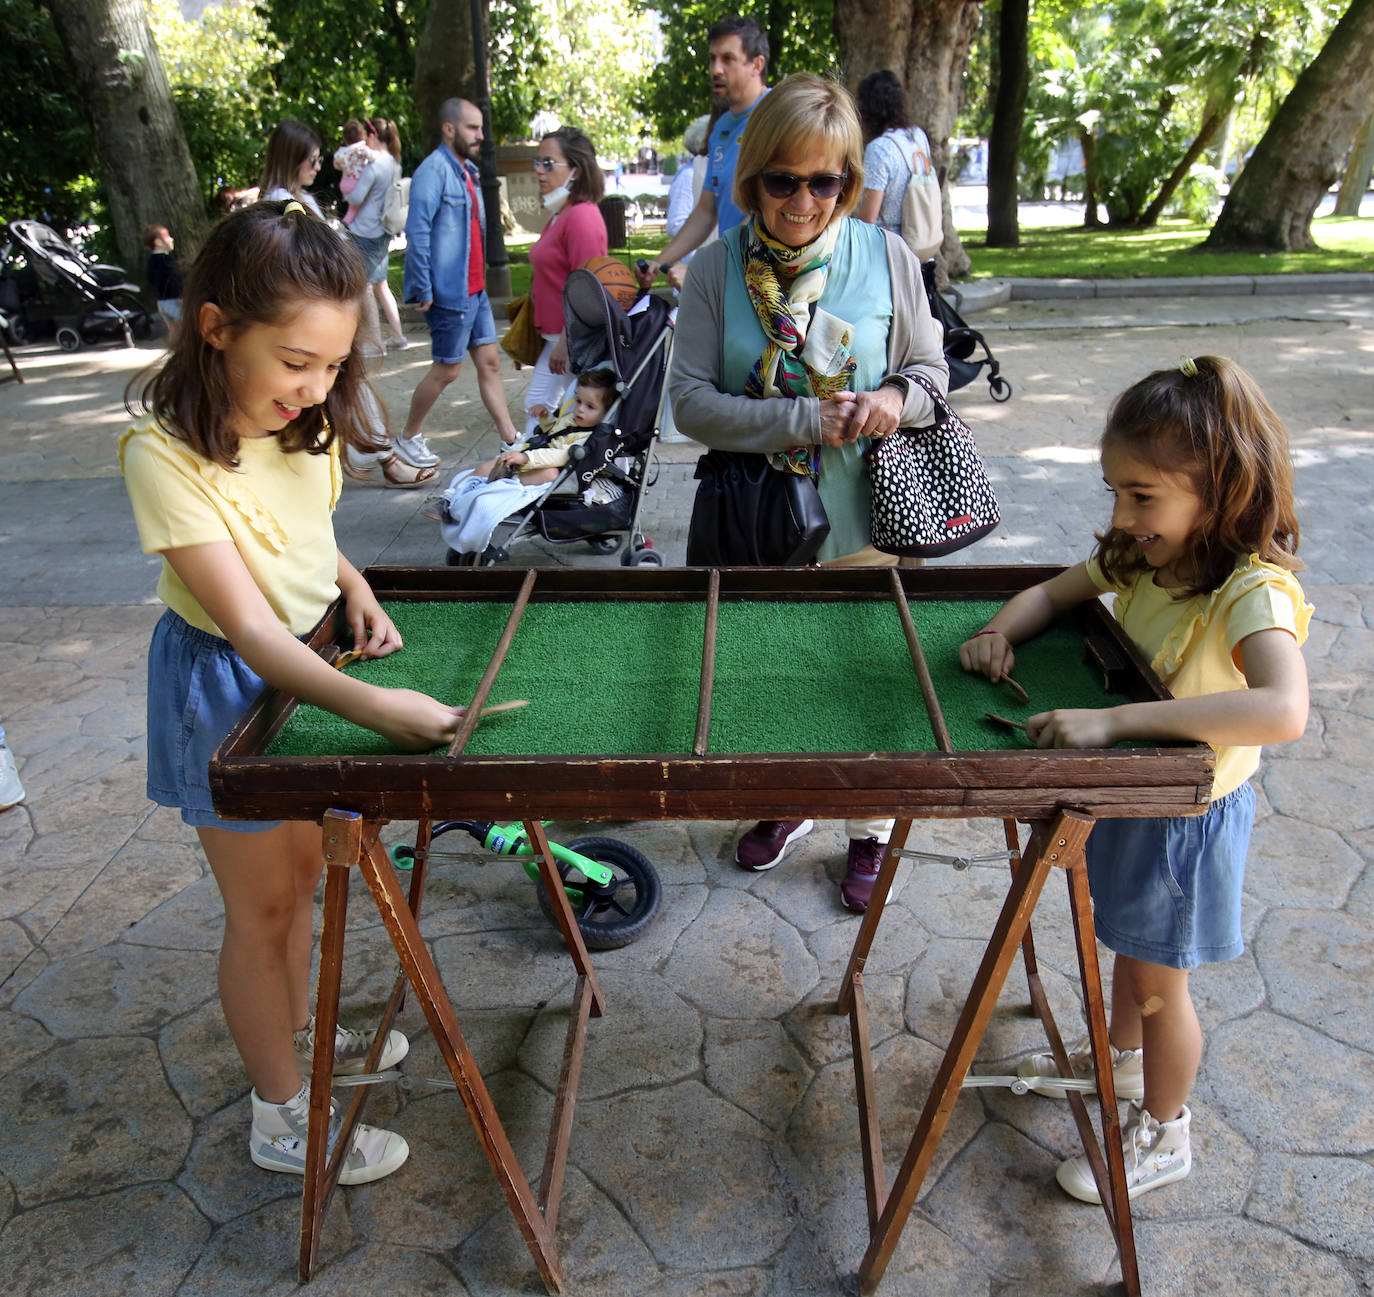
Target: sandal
394	471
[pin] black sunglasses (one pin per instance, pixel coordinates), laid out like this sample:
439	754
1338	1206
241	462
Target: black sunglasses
783	184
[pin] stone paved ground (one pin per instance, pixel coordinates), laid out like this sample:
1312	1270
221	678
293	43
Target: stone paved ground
715	1148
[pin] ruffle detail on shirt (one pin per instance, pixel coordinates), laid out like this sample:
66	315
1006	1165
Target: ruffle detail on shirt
1250	575
229	485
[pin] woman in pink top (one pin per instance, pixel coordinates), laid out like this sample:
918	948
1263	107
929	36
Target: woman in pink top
570	185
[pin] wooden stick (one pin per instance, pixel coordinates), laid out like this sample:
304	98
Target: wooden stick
347	659
1016	689
503	707
708	664
1010	724
474	714
918	660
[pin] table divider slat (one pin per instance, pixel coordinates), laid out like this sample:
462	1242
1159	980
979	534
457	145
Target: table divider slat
918	660
708	665
474	711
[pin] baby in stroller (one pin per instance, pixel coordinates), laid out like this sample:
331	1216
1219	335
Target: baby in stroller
542	455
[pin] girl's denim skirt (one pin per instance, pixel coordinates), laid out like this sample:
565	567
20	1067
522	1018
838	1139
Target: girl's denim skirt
198	688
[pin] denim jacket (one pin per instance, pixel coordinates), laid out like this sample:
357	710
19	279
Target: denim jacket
437	230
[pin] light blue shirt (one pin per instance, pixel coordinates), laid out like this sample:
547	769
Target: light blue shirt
722	152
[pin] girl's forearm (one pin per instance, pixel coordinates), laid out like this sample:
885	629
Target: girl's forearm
1237	718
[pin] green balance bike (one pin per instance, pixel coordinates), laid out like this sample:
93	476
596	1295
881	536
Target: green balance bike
613	890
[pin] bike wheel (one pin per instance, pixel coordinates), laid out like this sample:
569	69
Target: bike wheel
616	914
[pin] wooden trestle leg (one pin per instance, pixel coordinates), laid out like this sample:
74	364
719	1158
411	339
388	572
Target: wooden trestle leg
350	840
1057	842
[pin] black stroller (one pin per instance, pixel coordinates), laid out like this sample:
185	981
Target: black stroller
57	289
637	345
961	342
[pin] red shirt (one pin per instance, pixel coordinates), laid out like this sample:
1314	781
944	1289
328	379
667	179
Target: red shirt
476	266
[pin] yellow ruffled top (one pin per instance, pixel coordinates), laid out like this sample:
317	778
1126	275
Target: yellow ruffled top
275	508
1191	643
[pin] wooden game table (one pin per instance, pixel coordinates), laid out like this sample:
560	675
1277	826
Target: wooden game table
703	766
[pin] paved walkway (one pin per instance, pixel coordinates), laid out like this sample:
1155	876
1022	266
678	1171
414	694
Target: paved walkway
715	1148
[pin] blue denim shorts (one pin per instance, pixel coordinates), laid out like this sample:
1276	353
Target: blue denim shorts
198	687
375	255
1167	891
453	332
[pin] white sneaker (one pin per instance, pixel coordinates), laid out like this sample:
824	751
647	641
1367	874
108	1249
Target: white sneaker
398	344
278	1137
350	1049
414	451
1157	1153
11	790
1128	1070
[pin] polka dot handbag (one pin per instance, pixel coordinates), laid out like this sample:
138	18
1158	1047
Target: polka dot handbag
931	494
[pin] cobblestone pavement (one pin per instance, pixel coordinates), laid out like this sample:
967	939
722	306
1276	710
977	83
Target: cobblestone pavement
715	1147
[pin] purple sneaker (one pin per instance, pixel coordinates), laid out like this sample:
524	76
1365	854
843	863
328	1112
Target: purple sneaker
764	845
861	872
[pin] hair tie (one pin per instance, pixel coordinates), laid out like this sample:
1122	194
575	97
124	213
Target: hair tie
292	206
1189	367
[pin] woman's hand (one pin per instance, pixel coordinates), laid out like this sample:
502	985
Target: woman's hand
837	414
988	653
558	358
1074	728
876	414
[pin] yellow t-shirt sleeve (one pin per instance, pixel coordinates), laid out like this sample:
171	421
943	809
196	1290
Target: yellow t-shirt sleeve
1276	602
172	504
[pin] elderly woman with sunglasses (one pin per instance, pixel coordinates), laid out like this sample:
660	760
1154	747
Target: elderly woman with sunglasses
570	187
796	336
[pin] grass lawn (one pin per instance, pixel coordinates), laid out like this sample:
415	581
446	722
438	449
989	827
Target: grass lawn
1071	252
1344	243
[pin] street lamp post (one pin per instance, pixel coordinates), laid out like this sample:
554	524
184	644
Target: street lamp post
498	263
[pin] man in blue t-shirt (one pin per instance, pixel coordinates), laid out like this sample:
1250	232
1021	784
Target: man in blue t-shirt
739	60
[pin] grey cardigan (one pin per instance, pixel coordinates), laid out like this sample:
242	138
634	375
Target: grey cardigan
725	422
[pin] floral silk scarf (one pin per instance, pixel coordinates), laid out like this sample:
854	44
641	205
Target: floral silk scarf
786	315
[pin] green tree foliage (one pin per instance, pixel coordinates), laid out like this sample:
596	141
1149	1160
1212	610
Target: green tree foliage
47	156
801	38
220	69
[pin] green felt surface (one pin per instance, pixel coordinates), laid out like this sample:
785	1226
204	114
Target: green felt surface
623	678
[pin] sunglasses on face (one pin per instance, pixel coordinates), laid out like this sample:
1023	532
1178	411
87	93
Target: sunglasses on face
783	184
313	162
548	164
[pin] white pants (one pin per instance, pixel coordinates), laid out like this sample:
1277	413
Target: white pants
546	388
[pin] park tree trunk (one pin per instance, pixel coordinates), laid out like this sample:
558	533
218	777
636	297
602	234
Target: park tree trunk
1357	169
926	43
444	63
1008	115
1271	204
146	167
1211	124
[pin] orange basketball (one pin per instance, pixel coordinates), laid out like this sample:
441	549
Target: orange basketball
617	279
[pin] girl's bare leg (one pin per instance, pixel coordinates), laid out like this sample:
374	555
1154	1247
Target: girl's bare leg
268	882
389	309
1152	1009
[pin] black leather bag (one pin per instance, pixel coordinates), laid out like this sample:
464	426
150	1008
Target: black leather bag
748	514
931	493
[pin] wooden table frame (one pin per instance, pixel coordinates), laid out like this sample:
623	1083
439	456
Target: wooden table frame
1057	792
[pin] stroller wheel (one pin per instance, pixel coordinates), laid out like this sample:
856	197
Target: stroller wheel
999	388
613	915
604	544
68	338
456	559
643	556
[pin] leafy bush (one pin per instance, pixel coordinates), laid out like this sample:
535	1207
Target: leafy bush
1198	198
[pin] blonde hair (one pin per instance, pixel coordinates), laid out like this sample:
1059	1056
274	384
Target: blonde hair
1212	424
803	111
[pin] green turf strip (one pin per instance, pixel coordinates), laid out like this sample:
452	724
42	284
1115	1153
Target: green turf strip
623	678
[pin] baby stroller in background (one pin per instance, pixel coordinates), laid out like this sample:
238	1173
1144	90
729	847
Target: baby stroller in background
58	289
637	345
961	342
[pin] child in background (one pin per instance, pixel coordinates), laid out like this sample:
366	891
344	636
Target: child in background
164	275
548	452
350	160
234	477
1200	554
